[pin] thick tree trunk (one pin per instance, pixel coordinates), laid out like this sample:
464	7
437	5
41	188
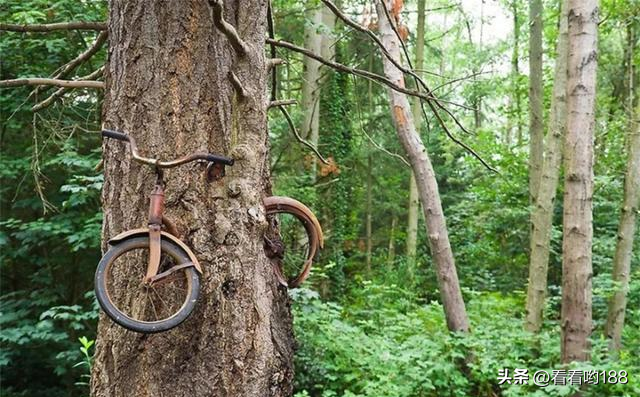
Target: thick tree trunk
448	283
576	320
626	233
168	85
414	201
542	211
536	112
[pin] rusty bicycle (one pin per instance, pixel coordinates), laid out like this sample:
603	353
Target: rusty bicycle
148	280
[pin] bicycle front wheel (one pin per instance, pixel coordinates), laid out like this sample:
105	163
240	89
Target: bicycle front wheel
146	307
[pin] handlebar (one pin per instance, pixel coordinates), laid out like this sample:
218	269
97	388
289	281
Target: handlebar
213	158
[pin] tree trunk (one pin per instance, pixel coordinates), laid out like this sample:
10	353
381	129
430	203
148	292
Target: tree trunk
626	233
536	112
168	85
391	254
543	205
448	283
414	203
514	105
578	218
369	212
311	76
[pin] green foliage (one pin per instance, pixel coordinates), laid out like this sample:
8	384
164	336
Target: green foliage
387	344
371	334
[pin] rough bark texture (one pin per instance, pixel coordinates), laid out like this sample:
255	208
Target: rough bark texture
448	283
414	201
536	112
576	320
168	85
542	211
626	233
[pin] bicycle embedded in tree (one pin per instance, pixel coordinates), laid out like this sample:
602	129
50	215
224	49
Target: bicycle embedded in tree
161	270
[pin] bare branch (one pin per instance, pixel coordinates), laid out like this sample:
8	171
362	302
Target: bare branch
383	150
437	103
273	62
61	91
358	72
237	85
95	47
298	137
50	27
226	28
53	82
282	102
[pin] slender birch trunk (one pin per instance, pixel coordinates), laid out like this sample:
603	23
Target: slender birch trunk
626	232
543	206
576	321
448	283
514	105
414	201
536	109
311	75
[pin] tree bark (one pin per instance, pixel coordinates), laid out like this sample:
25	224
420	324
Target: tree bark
626	232
536	109
369	230
514	105
391	254
576	319
448	283
543	205
168	85
414	203
311	76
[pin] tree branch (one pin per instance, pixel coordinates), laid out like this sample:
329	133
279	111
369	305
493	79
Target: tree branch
53	82
61	91
437	103
226	28
88	53
358	72
237	85
297	135
282	102
50	27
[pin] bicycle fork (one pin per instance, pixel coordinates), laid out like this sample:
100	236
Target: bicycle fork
156	208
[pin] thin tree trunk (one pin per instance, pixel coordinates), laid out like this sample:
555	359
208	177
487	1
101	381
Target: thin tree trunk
542	211
514	106
369	212
391	254
576	319
626	232
311	76
168	85
414	202
448	283
536	109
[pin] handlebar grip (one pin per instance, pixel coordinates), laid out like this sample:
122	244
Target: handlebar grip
115	135
219	159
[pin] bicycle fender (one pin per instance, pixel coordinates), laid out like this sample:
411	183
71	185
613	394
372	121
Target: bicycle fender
143	231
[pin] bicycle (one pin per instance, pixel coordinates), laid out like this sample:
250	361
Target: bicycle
167	293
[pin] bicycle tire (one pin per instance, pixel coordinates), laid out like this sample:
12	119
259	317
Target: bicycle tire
192	279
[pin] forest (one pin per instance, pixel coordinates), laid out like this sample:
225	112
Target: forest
474	167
